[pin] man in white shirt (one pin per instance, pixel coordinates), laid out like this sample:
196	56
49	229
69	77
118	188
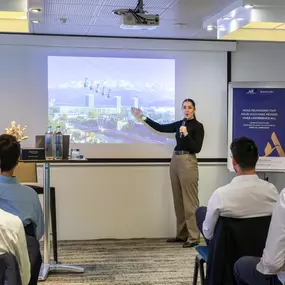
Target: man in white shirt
270	269
246	196
13	240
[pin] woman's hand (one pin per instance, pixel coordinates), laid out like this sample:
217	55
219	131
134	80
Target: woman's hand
183	130
136	112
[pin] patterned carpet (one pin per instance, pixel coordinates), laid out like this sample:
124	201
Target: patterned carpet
125	262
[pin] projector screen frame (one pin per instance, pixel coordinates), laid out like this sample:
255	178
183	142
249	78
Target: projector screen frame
30	53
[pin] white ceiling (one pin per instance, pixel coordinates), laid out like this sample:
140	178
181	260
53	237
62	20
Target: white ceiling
95	17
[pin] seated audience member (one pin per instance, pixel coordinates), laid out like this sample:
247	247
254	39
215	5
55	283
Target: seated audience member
246	196
13	240
21	201
270	269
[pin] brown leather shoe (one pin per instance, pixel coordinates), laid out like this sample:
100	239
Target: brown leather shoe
175	240
190	243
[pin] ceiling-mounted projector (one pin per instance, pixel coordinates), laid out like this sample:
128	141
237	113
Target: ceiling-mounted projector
138	21
138	18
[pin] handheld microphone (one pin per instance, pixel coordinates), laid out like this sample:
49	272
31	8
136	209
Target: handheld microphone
183	125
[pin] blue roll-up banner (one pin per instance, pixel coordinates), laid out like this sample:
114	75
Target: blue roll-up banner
259	113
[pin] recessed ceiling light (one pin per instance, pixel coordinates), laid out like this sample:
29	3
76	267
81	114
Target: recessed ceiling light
240	19
222	28
35	21
36	10
227	18
248	6
210	28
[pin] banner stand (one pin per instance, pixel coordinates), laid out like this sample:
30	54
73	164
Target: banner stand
256	110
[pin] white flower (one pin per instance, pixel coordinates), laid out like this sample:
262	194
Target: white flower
16	131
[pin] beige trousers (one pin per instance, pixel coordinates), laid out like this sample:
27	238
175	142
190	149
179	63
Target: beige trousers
184	181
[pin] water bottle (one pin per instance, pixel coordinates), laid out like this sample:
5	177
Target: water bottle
49	144
58	144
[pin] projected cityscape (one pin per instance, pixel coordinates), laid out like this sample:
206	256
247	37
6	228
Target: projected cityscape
91	97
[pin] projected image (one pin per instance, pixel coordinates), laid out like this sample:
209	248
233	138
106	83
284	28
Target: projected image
91	97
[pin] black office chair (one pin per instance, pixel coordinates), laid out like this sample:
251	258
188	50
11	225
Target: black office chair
35	258
233	239
9	270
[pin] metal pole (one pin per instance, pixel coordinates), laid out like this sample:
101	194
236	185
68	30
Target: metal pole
47	213
47	266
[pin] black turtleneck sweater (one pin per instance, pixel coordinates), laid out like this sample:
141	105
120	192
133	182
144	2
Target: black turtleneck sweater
192	142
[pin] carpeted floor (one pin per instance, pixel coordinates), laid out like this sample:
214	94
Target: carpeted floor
125	262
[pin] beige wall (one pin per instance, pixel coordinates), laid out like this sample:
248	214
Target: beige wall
104	201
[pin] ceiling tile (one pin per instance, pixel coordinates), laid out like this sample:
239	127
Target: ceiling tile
77	2
204	34
111	20
71	20
44	28
162	34
106	11
95	17
169	14
72	10
167	27
155	11
112	31
122	3
159	3
179	12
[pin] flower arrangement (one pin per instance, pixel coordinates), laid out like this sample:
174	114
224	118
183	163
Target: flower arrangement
16	131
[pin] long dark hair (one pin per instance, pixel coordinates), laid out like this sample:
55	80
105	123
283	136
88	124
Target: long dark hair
192	102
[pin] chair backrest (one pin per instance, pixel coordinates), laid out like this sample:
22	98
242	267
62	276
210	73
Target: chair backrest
26	172
233	239
9	270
